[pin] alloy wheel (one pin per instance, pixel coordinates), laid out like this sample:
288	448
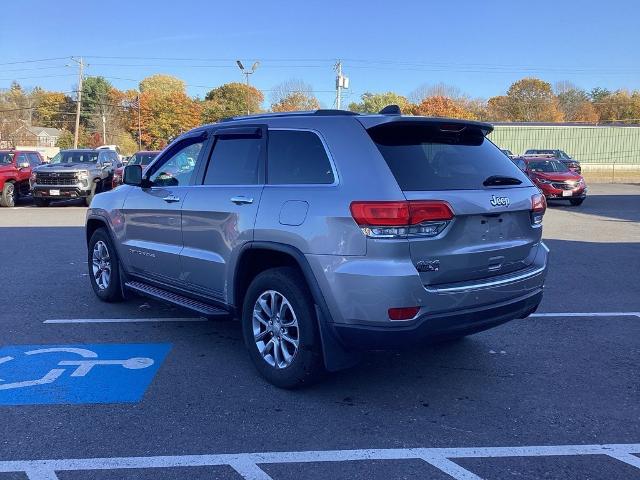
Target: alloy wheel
275	329
101	265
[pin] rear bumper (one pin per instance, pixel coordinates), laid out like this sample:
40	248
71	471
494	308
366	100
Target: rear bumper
359	291
437	327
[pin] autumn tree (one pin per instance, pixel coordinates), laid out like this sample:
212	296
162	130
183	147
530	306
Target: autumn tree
619	106
441	107
164	116
374	102
293	95
52	110
230	100
532	100
575	105
162	84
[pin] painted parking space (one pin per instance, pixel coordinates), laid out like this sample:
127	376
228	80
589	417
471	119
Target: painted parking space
255	466
70	374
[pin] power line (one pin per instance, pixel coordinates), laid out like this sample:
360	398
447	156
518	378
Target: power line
35	61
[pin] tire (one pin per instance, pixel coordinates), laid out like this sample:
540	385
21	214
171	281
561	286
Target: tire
104	267
576	201
92	193
8	195
304	365
41	202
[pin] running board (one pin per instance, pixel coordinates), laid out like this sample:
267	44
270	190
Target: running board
176	299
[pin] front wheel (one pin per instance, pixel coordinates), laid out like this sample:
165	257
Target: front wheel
8	195
576	201
280	329
104	269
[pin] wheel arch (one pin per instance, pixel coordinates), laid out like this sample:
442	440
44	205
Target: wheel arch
335	355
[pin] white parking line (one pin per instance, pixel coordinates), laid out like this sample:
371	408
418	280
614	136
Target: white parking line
125	320
247	464
587	314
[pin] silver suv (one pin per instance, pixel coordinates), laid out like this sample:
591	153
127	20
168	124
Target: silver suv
327	233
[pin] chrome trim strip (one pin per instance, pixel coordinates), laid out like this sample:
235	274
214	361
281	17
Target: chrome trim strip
494	283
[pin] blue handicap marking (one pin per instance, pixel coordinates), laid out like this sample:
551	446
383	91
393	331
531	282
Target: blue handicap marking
62	374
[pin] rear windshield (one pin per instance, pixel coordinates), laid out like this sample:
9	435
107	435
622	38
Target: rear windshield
423	156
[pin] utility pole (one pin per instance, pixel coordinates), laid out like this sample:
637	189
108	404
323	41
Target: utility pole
139	127
104	129
79	104
246	73
341	82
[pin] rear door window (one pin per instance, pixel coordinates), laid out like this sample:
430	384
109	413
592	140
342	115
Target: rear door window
297	157
423	156
234	161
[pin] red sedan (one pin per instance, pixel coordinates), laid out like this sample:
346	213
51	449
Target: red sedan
143	157
554	179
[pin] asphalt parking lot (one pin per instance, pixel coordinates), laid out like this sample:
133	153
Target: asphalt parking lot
556	395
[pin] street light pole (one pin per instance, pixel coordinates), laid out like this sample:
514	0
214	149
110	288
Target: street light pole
246	73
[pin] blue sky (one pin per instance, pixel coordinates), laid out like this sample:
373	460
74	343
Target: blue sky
480	47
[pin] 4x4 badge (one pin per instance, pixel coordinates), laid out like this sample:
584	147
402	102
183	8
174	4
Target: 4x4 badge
499	201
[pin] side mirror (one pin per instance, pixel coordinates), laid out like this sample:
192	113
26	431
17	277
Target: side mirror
23	165
132	175
107	165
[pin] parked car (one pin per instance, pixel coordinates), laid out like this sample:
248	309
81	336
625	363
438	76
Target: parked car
143	157
508	153
80	173
15	171
571	163
326	233
554	179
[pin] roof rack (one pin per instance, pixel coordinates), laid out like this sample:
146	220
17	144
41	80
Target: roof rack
307	113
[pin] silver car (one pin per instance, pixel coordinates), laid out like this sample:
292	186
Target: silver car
327	233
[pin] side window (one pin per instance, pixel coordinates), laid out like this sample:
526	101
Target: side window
297	157
22	158
177	168
34	159
522	165
234	161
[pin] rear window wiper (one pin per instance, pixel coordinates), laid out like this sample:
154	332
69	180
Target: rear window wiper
499	180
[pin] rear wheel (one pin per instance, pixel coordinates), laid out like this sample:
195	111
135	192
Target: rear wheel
280	328
41	202
104	269
8	195
576	201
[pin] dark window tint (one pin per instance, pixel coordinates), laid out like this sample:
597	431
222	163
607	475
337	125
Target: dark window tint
234	161
6	158
433	156
34	159
22	158
547	166
297	157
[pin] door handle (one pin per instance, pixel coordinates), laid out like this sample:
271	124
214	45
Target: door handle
171	198
241	200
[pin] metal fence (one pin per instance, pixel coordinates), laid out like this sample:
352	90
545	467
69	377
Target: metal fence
619	145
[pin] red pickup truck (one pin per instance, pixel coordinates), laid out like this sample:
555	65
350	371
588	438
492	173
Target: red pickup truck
15	172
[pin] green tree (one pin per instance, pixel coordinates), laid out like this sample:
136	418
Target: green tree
597	94
230	100
619	106
374	102
575	105
162	84
95	95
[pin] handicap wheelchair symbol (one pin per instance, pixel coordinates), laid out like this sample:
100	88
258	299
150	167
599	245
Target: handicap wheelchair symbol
60	374
83	367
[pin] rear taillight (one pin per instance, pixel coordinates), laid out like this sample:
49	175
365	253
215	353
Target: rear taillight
538	207
401	219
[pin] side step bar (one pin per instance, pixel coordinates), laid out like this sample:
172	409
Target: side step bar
176	299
